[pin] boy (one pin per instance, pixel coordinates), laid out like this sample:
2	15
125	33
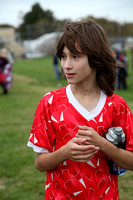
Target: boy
68	124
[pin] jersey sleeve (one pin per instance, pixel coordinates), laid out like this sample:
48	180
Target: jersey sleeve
42	135
124	118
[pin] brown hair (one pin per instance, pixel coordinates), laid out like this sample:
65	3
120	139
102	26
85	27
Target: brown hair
91	39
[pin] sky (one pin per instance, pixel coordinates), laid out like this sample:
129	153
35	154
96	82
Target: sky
12	11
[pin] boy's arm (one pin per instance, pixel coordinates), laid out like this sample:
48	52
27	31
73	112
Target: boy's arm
74	150
122	157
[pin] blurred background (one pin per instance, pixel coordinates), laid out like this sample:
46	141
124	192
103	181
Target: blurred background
29	32
31	29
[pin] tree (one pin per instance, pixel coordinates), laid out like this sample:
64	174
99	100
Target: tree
31	20
38	22
36	14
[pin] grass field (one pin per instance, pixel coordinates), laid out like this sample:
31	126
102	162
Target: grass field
19	180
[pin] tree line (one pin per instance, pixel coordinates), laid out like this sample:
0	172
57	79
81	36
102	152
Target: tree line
38	22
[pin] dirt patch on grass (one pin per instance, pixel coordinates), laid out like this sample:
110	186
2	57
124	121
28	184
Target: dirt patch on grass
26	79
33	83
2	181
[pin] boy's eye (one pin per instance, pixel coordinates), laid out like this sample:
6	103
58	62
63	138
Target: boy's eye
63	56
76	56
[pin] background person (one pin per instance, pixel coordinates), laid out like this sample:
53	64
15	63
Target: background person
122	72
6	76
56	67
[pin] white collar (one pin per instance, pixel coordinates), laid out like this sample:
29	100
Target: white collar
86	114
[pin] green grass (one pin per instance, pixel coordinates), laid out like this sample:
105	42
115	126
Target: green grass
19	180
18	177
40	69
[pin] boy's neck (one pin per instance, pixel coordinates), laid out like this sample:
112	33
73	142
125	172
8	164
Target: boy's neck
87	97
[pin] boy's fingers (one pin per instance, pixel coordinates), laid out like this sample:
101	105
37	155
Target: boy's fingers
85	128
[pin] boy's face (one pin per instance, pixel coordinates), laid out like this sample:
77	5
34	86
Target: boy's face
76	68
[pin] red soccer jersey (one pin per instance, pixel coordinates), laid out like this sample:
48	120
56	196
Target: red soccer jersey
56	122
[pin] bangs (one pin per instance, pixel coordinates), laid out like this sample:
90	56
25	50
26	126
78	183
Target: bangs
70	40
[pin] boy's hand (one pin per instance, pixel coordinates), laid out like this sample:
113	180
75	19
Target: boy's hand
92	137
78	151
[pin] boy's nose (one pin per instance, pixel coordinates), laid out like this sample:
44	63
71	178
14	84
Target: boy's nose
68	64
